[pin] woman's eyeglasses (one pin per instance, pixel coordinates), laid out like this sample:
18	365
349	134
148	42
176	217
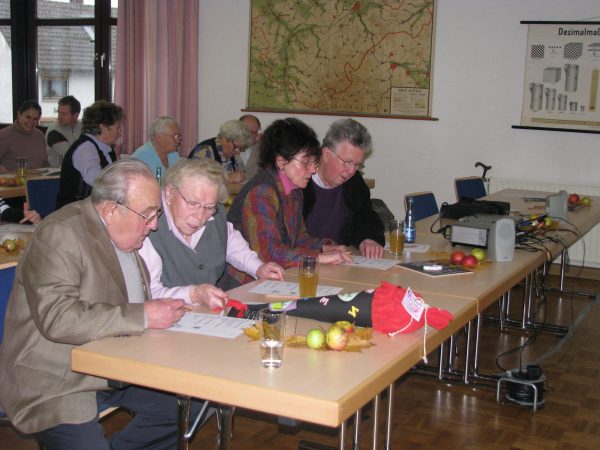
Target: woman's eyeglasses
308	164
197	206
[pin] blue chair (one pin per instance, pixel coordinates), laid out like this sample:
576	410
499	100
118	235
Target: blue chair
424	204
41	194
7	276
469	187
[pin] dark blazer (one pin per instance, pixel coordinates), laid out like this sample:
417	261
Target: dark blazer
362	222
69	290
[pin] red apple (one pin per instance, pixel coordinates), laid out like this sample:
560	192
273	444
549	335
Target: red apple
349	327
469	262
336	338
457	257
573	199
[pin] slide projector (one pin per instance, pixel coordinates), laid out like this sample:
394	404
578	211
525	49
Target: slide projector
494	232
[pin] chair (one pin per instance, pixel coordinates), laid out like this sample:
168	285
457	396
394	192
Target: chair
7	276
41	194
424	204
470	187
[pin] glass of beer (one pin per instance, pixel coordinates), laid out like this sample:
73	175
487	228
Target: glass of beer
21	166
308	274
396	236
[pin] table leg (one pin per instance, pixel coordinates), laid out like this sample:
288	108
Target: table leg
183	421
390	415
342	443
561	288
357	419
376	401
225	424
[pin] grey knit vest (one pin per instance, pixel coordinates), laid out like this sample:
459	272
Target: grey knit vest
182	266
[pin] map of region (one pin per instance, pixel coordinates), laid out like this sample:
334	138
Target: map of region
339	56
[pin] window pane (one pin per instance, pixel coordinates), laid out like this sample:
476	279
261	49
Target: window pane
47	9
114	4
6	106
4	9
65	66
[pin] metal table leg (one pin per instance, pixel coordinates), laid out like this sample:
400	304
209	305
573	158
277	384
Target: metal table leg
390	415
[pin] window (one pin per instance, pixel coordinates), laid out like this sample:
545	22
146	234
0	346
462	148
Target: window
54	86
57	48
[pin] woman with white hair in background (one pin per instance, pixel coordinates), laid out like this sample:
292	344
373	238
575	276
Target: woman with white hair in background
233	138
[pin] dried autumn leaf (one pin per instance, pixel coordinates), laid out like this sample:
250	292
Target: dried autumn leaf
298	340
252	332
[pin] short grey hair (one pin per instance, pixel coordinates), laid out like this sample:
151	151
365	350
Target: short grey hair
205	169
114	181
159	125
235	130
348	130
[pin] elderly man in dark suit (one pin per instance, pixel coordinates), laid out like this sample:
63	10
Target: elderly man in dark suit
81	279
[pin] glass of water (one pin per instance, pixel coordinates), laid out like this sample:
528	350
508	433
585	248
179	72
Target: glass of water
271	325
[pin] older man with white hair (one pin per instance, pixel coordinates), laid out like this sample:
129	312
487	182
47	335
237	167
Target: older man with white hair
161	150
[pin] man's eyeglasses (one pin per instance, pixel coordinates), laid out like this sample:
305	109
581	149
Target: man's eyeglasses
176	136
308	164
347	163
197	206
148	219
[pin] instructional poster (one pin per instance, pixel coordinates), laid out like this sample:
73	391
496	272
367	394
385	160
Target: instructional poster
562	65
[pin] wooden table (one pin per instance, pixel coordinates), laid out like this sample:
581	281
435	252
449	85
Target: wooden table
325	388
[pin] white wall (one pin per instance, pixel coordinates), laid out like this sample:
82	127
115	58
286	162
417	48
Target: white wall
477	96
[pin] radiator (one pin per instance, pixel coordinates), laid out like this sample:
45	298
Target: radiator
590	257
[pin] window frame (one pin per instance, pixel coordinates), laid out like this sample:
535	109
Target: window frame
24	23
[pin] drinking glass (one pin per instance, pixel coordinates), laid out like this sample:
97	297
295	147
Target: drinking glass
308	275
21	166
271	325
396	236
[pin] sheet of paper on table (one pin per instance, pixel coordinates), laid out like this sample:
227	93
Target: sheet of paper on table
372	263
212	325
17	228
412	248
290	289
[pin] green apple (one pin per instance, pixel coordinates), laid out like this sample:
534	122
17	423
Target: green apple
586	201
478	253
9	245
548	221
315	338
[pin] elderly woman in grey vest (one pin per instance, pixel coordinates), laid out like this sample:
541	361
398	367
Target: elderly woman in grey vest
188	254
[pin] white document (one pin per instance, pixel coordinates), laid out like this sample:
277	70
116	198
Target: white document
212	325
416	248
17	228
290	289
372	263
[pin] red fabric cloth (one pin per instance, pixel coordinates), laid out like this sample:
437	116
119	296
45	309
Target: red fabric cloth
389	315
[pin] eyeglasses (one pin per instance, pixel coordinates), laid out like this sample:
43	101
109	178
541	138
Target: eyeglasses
307	164
176	136
148	219
197	206
239	148
347	163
